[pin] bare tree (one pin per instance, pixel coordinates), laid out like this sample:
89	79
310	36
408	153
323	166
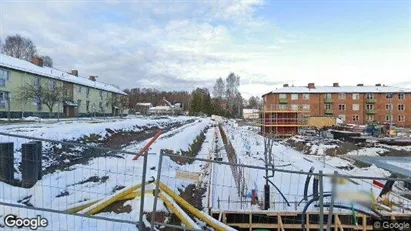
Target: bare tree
19	47
120	101
47	61
43	91
219	88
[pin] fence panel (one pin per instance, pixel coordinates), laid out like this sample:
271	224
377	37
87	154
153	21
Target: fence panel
53	179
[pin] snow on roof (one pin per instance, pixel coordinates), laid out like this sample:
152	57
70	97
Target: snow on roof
250	111
342	89
143	104
22	65
161	108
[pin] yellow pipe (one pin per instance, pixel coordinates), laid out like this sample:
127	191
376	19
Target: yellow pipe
176	211
211	222
133	195
75	209
108	201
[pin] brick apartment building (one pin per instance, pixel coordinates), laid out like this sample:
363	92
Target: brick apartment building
353	104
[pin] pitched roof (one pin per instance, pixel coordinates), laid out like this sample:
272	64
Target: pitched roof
22	65
341	89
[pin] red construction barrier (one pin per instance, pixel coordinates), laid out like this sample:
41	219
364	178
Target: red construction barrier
377	183
147	146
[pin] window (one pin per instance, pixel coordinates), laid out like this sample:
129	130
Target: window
4	76
369	106
328	96
355	107
52	84
328	107
388	107
388	117
283	96
341	96
282	107
106	105
306	107
388	95
342	117
294	96
370	96
88	92
79	89
87	106
306	96
79	103
37	83
370	117
100	104
401	107
355	118
3	99
294	107
355	96
341	107
401	118
401	95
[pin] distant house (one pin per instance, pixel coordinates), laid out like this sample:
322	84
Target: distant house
143	108
250	113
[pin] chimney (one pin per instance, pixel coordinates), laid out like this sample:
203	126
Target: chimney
92	78
37	61
311	86
360	85
378	85
335	85
74	72
285	85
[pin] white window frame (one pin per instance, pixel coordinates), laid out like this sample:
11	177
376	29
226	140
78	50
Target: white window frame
356	118
401	96
355	96
328	107
342	107
294	96
388	107
402	106
388	118
306	107
282	96
328	96
294	107
341	96
306	96
401	118
370	118
369	96
370	107
342	117
355	107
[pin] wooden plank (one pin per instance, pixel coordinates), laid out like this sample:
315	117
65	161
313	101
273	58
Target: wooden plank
250	222
307	222
364	223
280	223
337	224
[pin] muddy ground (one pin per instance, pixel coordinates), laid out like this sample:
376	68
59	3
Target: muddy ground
63	157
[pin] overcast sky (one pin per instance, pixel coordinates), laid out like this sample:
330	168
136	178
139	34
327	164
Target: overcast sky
180	45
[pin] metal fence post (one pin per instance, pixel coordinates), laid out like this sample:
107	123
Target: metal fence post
7	162
143	190
29	164
156	192
321	200
333	188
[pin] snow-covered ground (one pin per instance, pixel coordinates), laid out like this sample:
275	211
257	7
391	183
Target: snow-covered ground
63	189
250	150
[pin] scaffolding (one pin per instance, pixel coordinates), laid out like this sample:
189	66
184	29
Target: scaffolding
282	120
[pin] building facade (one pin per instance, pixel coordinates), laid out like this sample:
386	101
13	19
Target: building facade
82	96
352	104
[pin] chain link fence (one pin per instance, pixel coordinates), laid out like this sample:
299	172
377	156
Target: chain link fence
296	199
75	186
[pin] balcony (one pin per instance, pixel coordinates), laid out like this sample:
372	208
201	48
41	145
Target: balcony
371	100
371	112
328	100
283	101
329	111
